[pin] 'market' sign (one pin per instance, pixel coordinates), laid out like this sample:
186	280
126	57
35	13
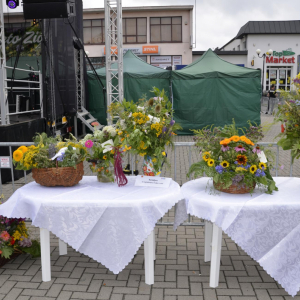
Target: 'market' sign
280	57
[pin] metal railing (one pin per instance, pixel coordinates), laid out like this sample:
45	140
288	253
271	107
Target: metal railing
6	163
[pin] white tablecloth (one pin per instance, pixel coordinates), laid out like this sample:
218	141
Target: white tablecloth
104	221
267	227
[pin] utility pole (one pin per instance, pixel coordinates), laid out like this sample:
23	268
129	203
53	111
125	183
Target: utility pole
114	52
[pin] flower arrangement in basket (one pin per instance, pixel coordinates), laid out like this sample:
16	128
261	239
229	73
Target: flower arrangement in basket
234	162
146	128
289	115
104	148
52	160
15	239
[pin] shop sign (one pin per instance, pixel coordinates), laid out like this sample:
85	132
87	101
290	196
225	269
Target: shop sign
161	59
177	60
279	57
144	50
272	74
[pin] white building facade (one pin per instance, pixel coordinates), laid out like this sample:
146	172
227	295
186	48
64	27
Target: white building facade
282	37
162	36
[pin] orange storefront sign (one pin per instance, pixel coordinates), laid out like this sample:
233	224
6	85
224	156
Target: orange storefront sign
150	49
113	49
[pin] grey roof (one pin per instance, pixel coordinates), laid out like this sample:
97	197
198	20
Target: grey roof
269	27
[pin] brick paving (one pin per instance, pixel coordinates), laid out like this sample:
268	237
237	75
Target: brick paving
180	271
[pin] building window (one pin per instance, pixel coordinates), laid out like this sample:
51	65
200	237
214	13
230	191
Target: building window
166	30
93	31
134	30
97	62
14	27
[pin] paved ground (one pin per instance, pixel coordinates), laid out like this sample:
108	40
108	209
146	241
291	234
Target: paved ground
180	272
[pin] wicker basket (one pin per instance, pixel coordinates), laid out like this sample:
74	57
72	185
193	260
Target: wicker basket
63	176
235	189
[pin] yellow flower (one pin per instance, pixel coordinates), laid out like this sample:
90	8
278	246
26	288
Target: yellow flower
104	157
142	154
17	235
154	160
206	156
163	153
241	159
225	141
243	138
253	169
262	166
247	141
112	151
235	138
240	169
225	164
23	149
18	154
210	162
158	173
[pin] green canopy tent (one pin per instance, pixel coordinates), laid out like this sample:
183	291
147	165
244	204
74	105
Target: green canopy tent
213	91
139	79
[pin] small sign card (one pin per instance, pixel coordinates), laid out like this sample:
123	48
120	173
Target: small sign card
262	157
4	162
153	181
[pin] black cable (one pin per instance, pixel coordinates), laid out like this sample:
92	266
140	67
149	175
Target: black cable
89	61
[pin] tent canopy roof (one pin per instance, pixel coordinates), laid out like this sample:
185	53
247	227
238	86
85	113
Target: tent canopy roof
135	67
210	65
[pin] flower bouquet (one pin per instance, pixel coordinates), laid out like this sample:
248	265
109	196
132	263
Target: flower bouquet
234	162
103	145
289	115
15	239
53	161
146	128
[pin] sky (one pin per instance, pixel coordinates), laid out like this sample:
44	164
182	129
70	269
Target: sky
218	21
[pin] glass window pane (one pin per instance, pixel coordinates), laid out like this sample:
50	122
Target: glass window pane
154	20
142	26
155	33
86	23
143	57
176	33
165	20
96	35
87	35
130	26
176	20
96	22
142	39
131	39
124	40
166	33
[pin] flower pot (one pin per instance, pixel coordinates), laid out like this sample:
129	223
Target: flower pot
101	177
62	176
235	188
148	167
4	261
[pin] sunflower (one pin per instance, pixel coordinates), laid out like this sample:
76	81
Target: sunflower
18	154
262	166
210	162
235	138
206	156
247	141
243	138
253	169
241	159
225	164
23	149
104	157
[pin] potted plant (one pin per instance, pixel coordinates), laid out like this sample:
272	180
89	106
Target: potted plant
234	162
53	161
146	128
289	115
102	145
15	239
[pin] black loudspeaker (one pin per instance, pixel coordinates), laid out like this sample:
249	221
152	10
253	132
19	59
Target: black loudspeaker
48	9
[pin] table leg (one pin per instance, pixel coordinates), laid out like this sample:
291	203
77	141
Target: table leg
154	245
63	250
207	240
149	259
45	254
215	256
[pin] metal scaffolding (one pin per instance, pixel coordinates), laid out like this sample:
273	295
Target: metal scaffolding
114	52
3	91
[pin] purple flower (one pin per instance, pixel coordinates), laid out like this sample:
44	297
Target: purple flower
61	158
260	173
164	129
281	167
240	148
219	169
256	150
172	122
89	144
224	148
292	101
